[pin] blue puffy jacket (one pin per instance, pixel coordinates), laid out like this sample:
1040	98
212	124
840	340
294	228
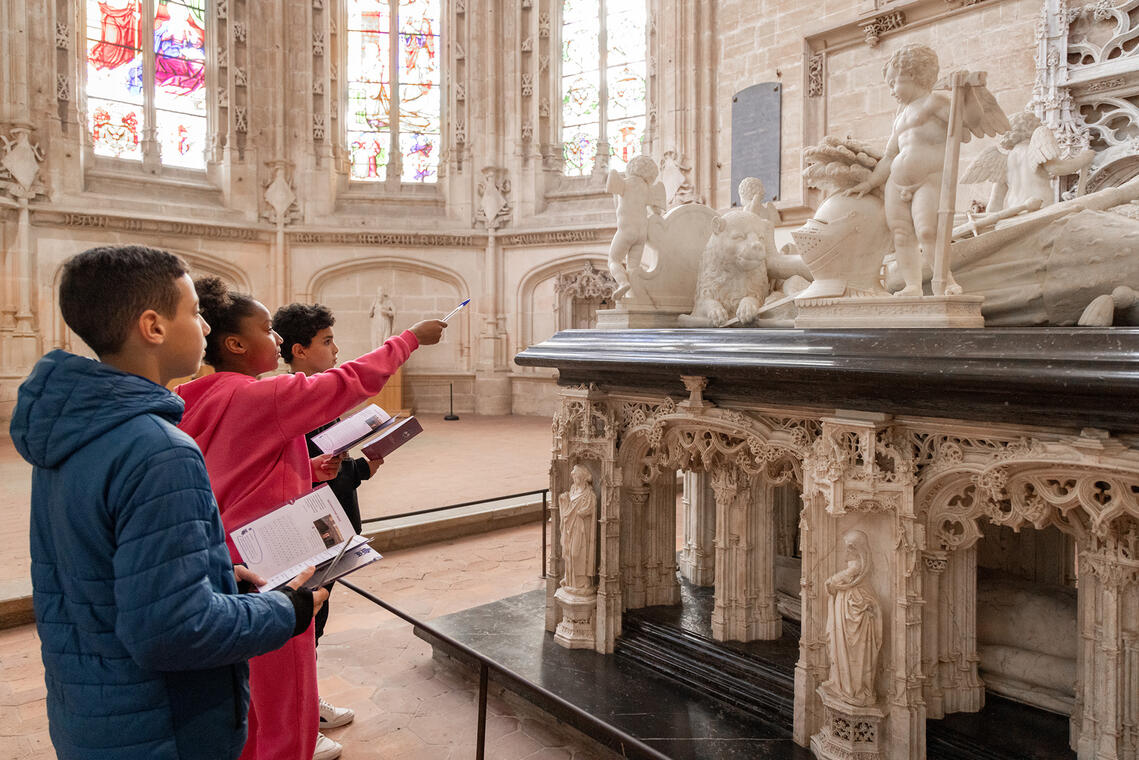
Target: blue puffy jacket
144	636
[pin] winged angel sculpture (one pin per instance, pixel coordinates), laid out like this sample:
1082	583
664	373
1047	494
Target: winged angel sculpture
1021	167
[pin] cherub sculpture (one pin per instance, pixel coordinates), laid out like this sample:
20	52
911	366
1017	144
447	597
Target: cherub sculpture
1022	164
914	161
635	192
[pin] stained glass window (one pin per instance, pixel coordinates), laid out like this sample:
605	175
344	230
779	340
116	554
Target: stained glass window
603	82
122	104
393	58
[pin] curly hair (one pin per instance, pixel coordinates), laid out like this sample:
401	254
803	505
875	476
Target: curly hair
298	323
104	290
223	309
916	60
643	167
1022	125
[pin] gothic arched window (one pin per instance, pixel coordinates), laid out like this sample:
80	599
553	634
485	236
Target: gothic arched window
603	75
147	99
394	106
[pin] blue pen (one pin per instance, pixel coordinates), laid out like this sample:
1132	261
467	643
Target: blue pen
455	311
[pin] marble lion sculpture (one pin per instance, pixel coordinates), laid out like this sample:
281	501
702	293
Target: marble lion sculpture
735	270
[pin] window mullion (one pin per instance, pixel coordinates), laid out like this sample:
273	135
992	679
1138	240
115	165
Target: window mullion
150	150
601	160
395	158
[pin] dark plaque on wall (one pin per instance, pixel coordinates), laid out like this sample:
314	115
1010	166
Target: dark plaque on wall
756	115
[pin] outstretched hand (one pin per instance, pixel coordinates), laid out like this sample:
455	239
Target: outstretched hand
429	331
325	467
319	597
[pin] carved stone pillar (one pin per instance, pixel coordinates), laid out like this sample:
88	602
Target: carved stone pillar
634	545
661	585
817	538
744	607
610	598
961	685
698	557
1108	688
934	564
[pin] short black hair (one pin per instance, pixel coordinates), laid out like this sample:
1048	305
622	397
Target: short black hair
299	323
223	309
104	290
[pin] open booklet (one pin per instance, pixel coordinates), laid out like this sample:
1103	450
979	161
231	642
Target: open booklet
377	431
311	530
353	430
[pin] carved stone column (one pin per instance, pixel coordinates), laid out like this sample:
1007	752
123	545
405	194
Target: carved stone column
698	557
744	607
961	684
1108	689
934	564
661	585
634	545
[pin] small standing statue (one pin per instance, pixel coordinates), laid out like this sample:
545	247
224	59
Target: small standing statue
923	146
854	626
634	192
579	546
382	316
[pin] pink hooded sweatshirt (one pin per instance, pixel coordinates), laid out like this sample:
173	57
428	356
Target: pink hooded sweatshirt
251	433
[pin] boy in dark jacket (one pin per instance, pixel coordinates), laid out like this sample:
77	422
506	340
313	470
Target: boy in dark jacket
308	345
144	636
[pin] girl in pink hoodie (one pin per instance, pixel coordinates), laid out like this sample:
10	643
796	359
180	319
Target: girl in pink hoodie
251	433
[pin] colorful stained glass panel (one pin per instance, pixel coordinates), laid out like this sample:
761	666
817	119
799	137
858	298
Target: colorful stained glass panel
579	149
369	16
580	48
181	139
625	33
368	106
369	57
626	139
418	108
122	81
419	16
368	155
116	128
418	58
420	156
580	12
580	99
626	85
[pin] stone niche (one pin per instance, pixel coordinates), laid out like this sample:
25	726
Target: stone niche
966	501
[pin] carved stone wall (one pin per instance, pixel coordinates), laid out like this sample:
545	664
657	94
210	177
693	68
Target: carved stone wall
924	492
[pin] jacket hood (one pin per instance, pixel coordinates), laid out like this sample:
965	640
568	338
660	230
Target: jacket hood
68	401
207	399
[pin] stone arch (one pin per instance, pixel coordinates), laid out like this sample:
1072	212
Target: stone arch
321	278
529	282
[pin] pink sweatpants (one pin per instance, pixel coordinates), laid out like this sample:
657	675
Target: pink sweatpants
283	712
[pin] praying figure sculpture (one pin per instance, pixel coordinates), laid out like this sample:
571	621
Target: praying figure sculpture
854	626
579	545
636	192
382	316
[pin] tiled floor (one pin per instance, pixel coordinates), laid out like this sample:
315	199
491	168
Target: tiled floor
408	705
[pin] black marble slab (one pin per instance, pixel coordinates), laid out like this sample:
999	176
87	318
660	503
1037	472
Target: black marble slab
672	715
1075	377
639	702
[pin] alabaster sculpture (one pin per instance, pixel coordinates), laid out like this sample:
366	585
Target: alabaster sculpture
578	508
382	317
636	193
736	271
854	626
916	158
1022	165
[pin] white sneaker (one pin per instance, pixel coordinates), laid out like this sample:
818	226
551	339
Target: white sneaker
326	749
335	717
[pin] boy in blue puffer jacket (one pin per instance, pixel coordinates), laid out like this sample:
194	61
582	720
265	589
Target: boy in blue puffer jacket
144	636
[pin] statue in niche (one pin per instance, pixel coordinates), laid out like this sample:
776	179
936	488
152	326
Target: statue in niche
1021	167
635	193
382	316
911	169
854	626
578	508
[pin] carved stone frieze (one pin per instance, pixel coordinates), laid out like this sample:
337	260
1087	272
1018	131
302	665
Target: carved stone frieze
586	283
815	76
20	161
876	27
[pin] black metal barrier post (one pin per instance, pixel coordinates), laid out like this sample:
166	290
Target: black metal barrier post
545	520
595	727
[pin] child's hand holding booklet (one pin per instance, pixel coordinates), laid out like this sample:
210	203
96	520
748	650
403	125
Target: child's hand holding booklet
371	428
311	530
